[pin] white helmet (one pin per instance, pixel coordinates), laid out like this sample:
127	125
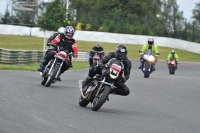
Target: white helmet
173	51
61	30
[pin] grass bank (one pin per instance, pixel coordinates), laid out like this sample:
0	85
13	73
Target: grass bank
34	66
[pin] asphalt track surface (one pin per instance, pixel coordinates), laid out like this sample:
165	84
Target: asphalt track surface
161	104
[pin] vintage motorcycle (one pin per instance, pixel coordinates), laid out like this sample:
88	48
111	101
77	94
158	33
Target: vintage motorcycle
98	90
171	65
53	68
148	60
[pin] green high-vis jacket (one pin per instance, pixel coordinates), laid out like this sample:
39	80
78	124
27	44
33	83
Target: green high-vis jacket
146	46
170	56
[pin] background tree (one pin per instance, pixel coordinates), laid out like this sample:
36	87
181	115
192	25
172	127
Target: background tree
54	16
120	16
6	19
171	18
196	12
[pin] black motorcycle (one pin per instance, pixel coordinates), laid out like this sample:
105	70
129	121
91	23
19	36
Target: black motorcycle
97	91
53	68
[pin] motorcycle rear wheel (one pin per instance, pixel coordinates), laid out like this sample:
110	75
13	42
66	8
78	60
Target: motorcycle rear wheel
101	98
82	102
44	81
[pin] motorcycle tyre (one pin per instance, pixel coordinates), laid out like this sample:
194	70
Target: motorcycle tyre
146	73
82	102
173	71
44	81
48	83
104	96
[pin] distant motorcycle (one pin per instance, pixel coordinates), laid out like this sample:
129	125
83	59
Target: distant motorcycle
148	63
53	68
172	65
97	91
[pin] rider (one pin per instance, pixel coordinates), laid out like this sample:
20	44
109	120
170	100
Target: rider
96	49
151	46
120	54
65	43
61	31
173	55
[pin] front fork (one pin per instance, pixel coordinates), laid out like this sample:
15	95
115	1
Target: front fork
100	86
59	70
52	66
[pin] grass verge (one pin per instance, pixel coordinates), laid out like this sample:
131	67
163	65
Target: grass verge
34	66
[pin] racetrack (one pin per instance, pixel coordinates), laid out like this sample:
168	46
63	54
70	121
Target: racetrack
161	104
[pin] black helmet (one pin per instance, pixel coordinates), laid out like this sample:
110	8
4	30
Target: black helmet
150	41
121	52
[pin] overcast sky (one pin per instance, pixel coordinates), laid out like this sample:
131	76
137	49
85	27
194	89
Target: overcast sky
184	5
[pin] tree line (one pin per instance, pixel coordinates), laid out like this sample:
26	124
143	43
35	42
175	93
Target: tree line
144	17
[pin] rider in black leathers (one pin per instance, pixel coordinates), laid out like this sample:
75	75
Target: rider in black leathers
96	49
120	54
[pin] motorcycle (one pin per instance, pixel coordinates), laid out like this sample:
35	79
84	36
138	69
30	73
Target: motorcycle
148	60
172	65
53	68
98	90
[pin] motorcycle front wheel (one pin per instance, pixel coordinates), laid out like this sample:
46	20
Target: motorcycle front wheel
101	98
52	75
146	72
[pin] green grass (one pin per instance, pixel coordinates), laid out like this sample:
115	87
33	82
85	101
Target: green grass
36	43
34	66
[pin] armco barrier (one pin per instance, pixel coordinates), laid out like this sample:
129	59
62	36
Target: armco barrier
30	56
20	56
82	56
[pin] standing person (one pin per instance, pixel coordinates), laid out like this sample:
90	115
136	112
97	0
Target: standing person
145	47
65	43
173	55
120	54
97	49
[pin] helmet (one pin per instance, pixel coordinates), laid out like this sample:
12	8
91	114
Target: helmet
173	51
98	45
69	32
61	30
121	52
150	41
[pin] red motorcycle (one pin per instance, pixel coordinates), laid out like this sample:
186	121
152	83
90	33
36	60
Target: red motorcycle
172	65
53	68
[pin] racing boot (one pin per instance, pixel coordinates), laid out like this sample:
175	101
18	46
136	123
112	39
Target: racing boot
86	81
154	69
42	65
58	78
140	67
